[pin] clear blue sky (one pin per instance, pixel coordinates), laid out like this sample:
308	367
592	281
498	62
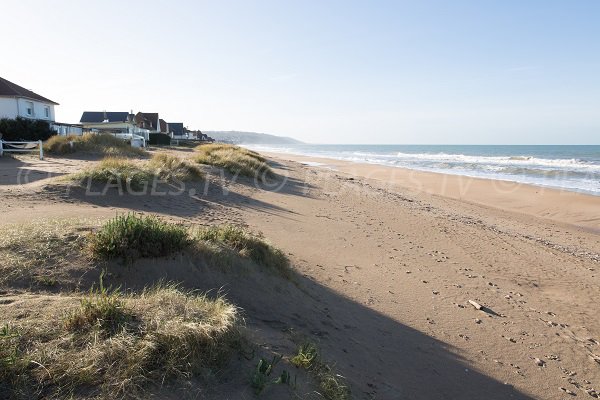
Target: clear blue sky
478	71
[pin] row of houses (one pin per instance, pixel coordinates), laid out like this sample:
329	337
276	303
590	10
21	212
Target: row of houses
18	102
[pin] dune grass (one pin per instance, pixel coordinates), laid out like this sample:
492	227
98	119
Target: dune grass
91	143
332	386
127	173
133	236
234	159
246	245
171	168
116	171
167	337
29	253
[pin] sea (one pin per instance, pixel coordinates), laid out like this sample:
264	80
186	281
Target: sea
569	167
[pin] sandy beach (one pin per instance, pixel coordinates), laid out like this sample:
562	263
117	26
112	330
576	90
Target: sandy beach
392	263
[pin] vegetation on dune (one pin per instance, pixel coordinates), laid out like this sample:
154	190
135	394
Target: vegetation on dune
233	159
162	335
246	245
171	168
116	171
134	236
136	175
108	344
332	386
91	143
31	252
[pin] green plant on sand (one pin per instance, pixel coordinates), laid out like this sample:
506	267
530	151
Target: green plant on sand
261	377
135	236
332	386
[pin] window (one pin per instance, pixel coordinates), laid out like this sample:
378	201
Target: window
29	108
47	112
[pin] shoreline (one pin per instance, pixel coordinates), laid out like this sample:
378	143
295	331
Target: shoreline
564	206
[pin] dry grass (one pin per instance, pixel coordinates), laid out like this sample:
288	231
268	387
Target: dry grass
116	171
135	175
234	159
91	143
168	336
31	252
246	245
171	168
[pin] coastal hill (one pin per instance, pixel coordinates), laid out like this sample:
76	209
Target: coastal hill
239	137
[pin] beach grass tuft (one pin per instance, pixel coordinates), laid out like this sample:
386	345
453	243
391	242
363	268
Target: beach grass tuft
168	337
134	236
126	173
246	245
234	159
116	171
91	143
171	168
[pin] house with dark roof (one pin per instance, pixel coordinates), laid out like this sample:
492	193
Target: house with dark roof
176	130
113	122
164	126
16	101
149	121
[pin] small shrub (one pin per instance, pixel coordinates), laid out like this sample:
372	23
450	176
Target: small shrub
91	143
133	236
234	159
25	129
246	245
117	171
171	168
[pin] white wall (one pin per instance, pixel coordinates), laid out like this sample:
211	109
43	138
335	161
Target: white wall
38	109
8	107
65	130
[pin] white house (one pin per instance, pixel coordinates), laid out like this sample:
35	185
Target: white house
113	123
16	101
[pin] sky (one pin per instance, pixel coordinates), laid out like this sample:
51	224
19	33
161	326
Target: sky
382	72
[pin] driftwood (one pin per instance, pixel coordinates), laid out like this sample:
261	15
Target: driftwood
475	304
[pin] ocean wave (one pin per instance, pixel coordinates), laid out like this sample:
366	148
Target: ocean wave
566	173
501	160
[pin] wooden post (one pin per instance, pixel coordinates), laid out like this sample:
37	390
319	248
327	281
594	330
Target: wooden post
41	149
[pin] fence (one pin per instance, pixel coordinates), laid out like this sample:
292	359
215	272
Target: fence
21	147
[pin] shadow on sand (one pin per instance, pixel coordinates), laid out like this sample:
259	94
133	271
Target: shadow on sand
380	357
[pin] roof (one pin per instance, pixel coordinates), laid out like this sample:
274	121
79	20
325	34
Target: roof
101	116
8	88
151	120
176	128
163	125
